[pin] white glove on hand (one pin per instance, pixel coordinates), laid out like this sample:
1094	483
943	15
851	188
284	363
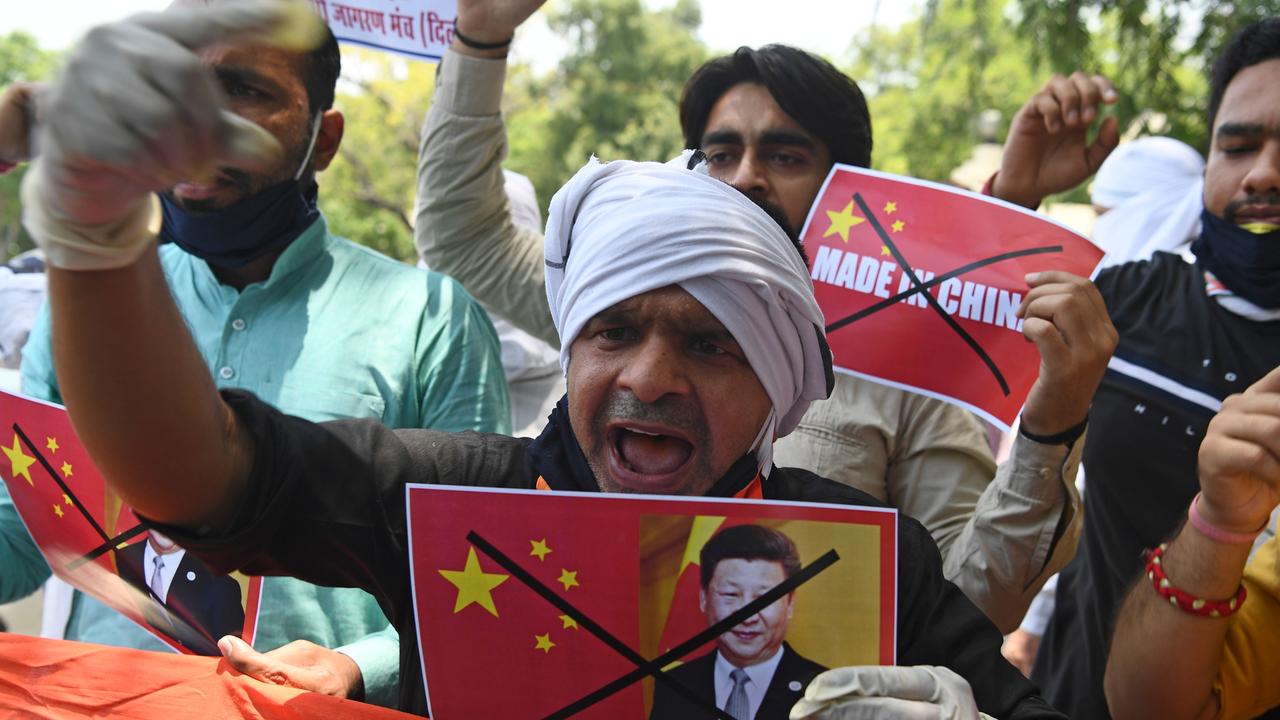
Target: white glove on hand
921	692
134	113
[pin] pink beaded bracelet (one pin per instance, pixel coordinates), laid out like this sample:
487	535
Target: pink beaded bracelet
1213	532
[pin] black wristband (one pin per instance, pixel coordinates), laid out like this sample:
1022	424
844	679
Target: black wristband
477	45
1067	437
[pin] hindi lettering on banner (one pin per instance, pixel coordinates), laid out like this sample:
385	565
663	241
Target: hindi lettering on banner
421	29
95	543
556	604
921	284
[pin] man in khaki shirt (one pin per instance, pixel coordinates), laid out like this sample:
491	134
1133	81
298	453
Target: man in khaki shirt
1000	538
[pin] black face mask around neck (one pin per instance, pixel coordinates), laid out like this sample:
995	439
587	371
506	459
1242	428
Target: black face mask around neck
1247	262
265	221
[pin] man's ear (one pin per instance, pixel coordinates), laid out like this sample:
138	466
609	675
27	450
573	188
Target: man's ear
702	600
332	125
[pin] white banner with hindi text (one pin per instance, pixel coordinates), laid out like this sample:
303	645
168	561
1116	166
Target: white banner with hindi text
417	28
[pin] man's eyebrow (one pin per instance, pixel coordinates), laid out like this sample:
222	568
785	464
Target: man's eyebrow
611	315
1240	129
787	137
722	137
716	334
243	74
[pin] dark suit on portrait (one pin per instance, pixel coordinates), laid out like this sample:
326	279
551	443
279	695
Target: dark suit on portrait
794	671
208	602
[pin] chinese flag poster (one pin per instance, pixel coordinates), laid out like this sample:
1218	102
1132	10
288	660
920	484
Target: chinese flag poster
96	544
553	605
921	283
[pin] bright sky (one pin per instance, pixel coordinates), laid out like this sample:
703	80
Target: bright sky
823	26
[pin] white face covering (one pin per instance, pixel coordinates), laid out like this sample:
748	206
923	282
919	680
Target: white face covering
620	229
1153	187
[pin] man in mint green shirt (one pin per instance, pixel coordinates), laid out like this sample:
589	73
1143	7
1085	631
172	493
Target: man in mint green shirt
311	323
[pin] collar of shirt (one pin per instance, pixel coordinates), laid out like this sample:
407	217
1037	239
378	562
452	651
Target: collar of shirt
167	571
759	676
300	253
1234	303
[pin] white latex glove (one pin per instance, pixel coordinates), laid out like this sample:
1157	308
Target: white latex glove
921	692
134	113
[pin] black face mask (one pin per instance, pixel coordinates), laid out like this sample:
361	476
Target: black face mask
247	230
265	221
1246	261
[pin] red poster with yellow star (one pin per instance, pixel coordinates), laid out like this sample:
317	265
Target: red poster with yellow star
537	604
921	283
95	543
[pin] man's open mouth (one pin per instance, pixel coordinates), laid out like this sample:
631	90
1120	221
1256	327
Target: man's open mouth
648	450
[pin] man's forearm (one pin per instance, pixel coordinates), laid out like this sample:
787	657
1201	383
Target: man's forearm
1141	682
464	227
140	396
1025	527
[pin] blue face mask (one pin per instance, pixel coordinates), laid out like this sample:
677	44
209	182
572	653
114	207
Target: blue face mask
1245	260
263	222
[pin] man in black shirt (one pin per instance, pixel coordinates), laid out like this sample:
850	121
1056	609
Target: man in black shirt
1191	334
692	341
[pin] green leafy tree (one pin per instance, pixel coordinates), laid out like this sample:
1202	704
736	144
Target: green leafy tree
616	93
1157	52
367	193
929	80
21	60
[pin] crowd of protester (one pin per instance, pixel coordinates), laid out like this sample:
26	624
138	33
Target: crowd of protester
222	315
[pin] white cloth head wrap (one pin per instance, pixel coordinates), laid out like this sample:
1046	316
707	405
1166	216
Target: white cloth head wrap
620	229
1154	187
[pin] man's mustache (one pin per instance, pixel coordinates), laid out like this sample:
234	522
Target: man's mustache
675	413
1235	206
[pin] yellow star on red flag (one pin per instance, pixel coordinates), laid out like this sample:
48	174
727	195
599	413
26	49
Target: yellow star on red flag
884	250
569	623
890	208
568	579
898	225
57	510
474	585
842	221
544	643
540	548
52	444
66	499
66	470
19	462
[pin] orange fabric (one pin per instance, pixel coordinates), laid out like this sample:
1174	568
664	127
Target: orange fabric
57	679
753	490
542	484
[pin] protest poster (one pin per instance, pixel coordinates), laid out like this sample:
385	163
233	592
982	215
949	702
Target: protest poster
94	542
537	604
920	285
421	29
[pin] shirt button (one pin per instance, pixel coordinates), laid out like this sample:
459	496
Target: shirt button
238	324
226	373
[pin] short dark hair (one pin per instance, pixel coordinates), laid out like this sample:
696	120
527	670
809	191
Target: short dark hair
1257	42
823	100
320	70
748	542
